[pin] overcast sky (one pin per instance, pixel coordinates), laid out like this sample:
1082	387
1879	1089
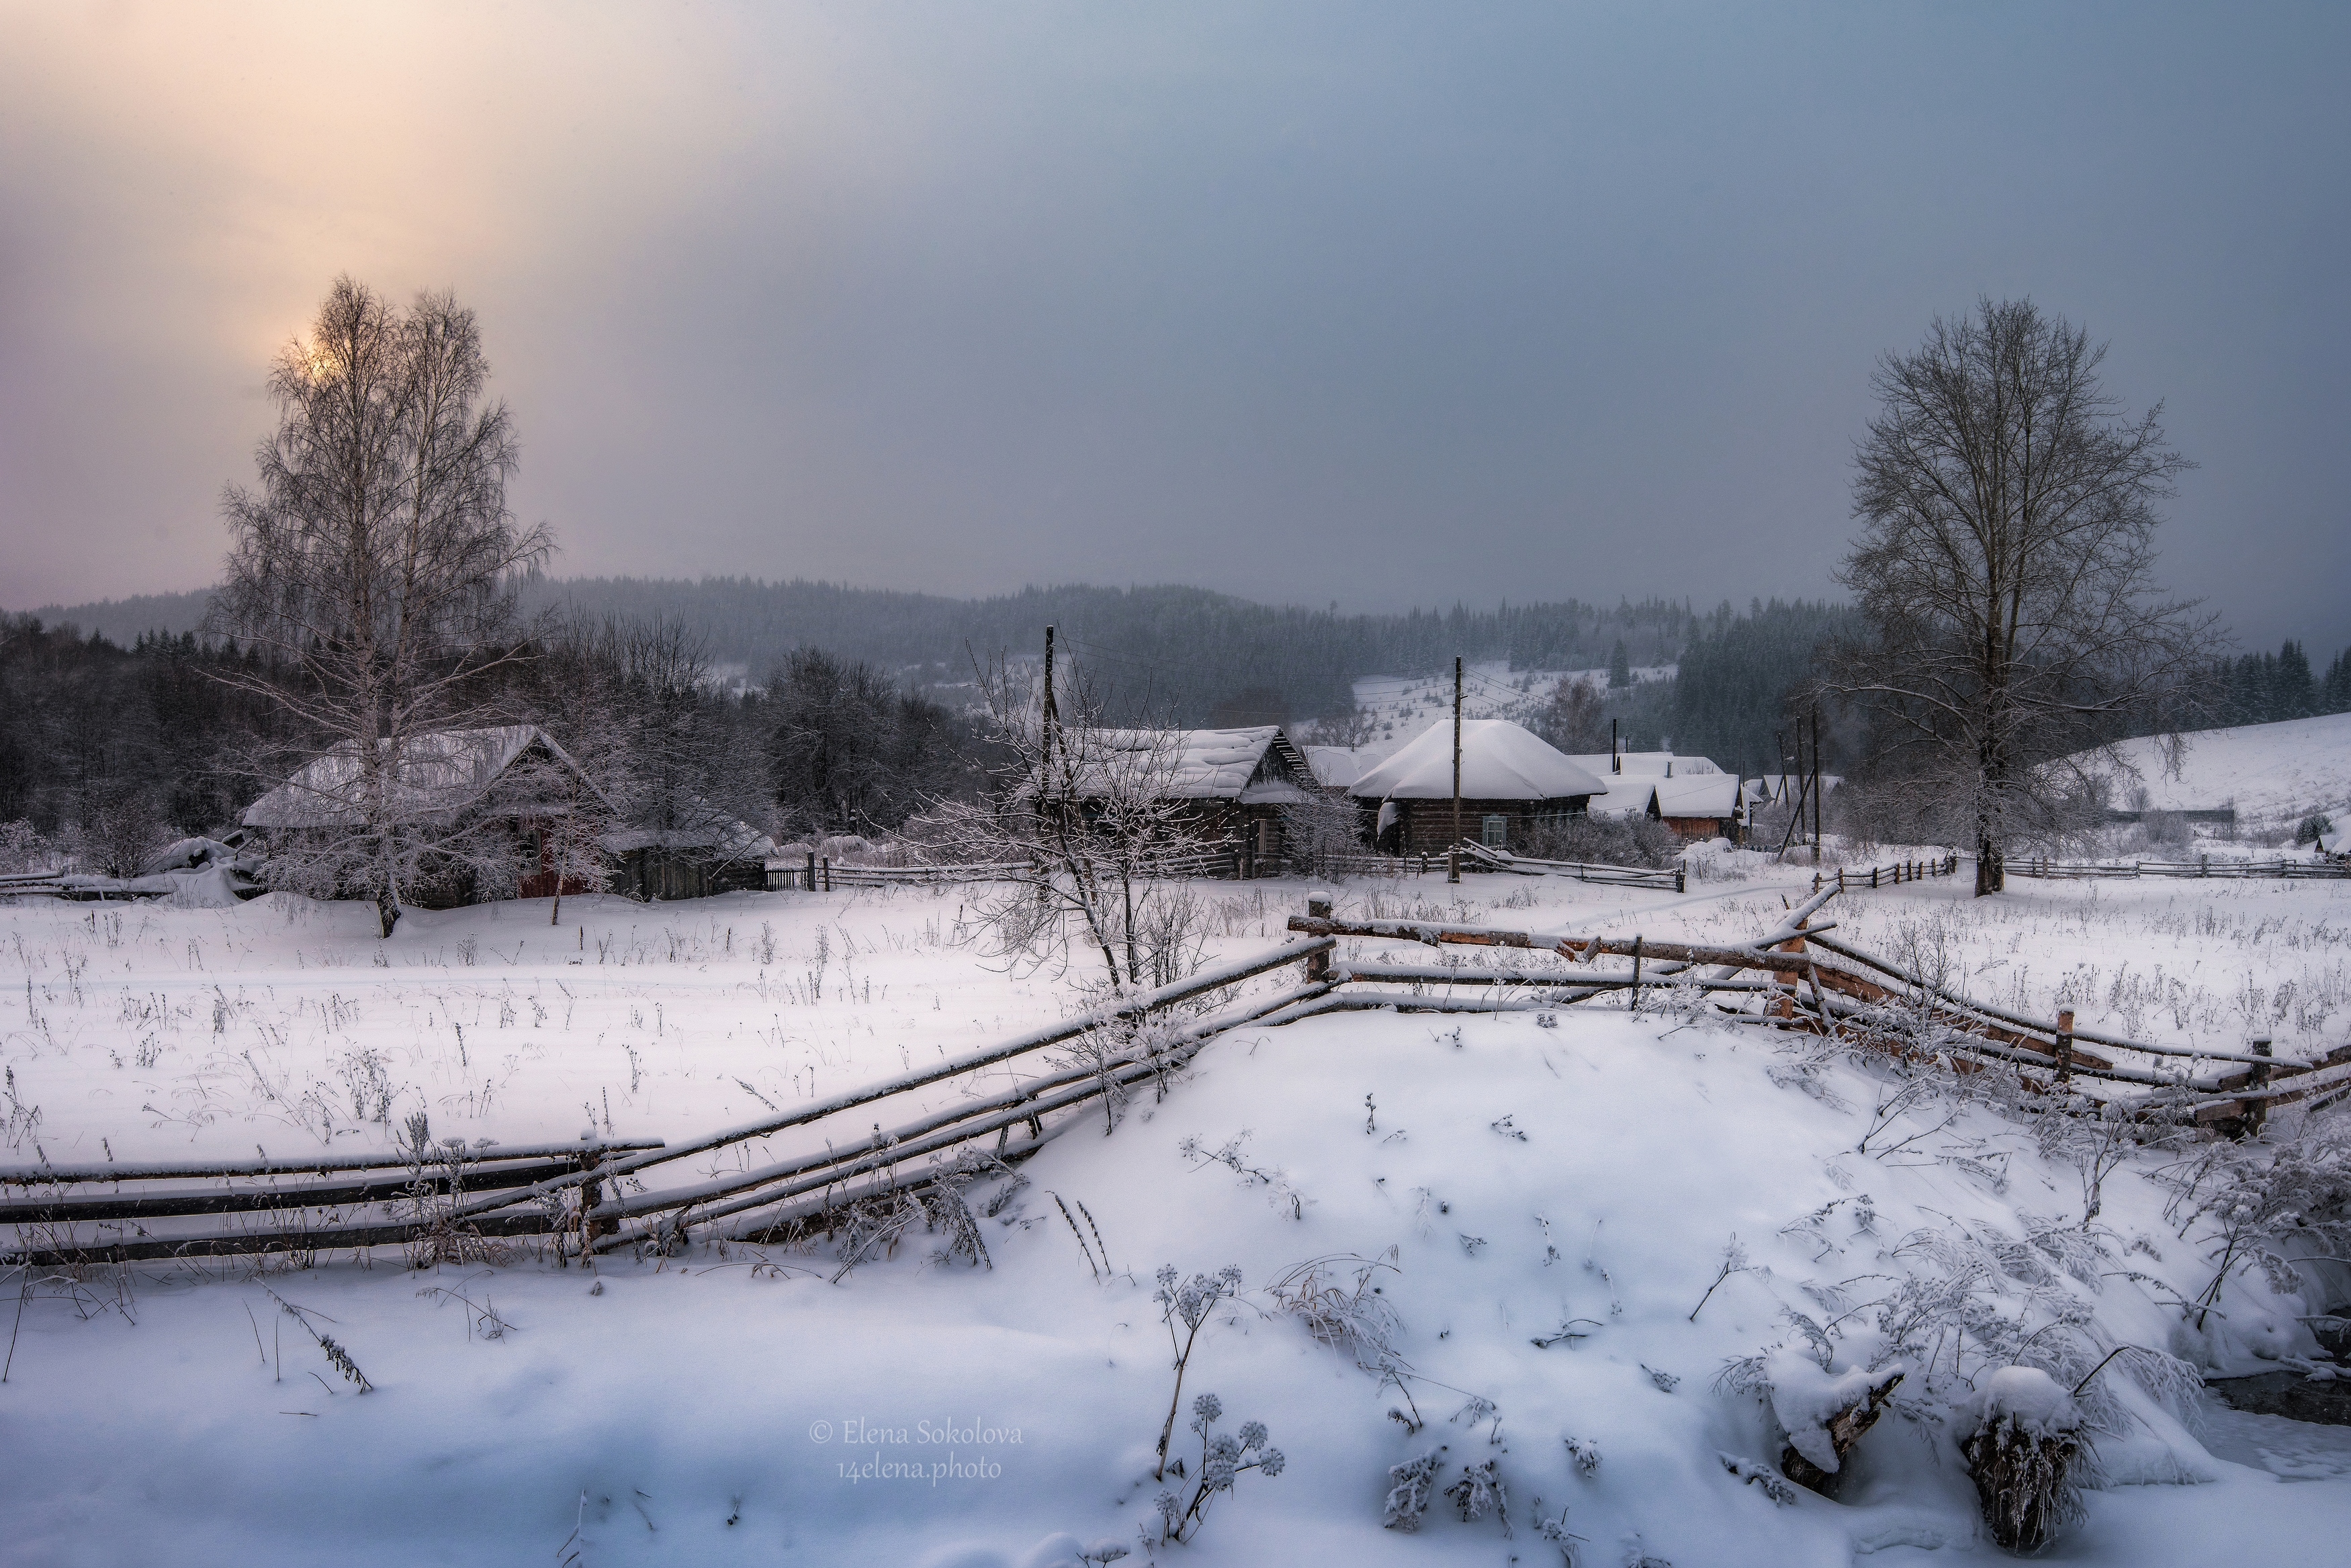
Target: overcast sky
1380	303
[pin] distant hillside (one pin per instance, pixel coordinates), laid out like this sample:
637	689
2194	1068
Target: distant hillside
2274	775
122	621
1197	656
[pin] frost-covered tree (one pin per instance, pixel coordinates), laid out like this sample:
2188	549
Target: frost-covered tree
2004	570
1080	825
369	565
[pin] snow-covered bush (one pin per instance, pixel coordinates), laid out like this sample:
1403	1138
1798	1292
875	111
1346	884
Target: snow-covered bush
1411	1485
2022	1435
1606	841
1479	1491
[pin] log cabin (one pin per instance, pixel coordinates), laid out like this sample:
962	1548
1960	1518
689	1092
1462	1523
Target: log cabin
1512	782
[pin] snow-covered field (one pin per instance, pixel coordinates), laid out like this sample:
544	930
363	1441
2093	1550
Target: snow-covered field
1498	1181
2274	775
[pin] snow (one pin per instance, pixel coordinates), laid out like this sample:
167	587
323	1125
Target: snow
1806	1398
2024	1397
1335	767
1645	765
442	771
1500	761
1579	1179
1202	764
1699	796
2274	775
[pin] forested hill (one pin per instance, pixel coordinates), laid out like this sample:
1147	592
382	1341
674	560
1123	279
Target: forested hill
1197	656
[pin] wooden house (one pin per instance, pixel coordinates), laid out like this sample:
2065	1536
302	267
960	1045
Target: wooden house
1510	782
1234	784
501	797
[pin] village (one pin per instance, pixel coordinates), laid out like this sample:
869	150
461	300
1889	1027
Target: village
1040	786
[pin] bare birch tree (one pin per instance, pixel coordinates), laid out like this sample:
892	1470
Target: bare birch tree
2004	571
372	558
1086	831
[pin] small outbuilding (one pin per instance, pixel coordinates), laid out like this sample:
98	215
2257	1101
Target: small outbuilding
1511	781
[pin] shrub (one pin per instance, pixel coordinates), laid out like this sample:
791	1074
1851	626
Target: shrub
1606	841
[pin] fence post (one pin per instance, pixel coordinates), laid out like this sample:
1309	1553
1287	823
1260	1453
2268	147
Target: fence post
1681	878
828	873
2257	1111
1318	965
592	1193
1873	878
2065	1045
812	871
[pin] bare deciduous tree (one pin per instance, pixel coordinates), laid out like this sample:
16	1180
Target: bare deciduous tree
1082	827
2004	571
373	557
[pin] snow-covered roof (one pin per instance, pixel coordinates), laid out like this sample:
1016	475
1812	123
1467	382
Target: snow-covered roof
1628	796
1334	767
1500	761
1200	764
1645	764
728	838
1715	795
436	774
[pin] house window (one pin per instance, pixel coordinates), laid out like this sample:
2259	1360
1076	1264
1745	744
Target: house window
1497	833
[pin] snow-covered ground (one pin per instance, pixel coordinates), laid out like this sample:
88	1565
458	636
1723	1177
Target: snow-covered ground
2274	775
1498	1181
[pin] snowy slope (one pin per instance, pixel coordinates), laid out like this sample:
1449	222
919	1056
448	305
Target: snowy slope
744	1407
1403	706
2272	773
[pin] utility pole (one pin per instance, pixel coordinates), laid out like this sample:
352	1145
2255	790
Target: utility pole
1615	753
1816	784
1052	714
1453	869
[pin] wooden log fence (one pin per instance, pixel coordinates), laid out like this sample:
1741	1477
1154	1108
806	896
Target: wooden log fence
574	1191
600	1196
1893	874
2202	867
1484	857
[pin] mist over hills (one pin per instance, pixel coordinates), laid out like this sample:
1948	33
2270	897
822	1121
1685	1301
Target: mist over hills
1190	654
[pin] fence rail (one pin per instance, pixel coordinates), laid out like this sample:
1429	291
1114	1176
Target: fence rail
573	1193
1895	873
2202	867
1674	878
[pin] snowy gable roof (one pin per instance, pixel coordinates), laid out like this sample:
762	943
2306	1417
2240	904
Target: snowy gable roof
1625	796
1715	795
1645	765
436	774
1334	767
1197	764
1500	761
